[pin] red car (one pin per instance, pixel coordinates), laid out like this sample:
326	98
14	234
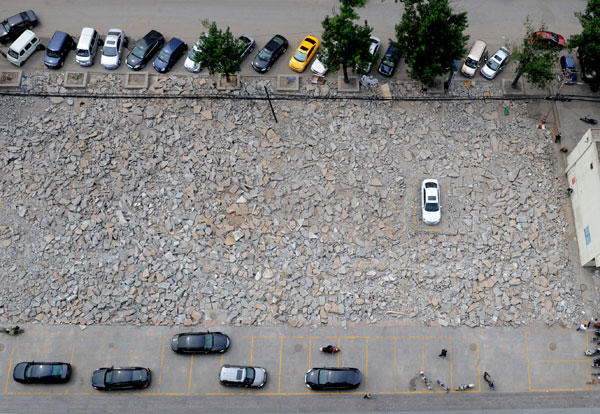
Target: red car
547	39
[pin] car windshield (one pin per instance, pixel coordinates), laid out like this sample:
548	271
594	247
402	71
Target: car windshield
264	55
13	54
250	374
554	37
163	56
472	63
52	53
388	61
194	55
83	53
432	206
300	56
138	52
110	51
493	64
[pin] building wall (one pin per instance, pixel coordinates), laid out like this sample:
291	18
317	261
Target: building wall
583	175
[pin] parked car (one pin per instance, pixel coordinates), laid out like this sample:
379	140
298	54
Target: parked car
144	49
305	52
269	54
42	372
241	376
200	342
547	39
589	75
567	64
108	379
25	45
495	64
248	44
169	55
477	55
431	206
192	61
112	51
87	46
390	61
332	378
14	26
374	47
58	49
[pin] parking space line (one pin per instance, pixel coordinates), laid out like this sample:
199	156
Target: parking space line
72	354
310	338
564	360
367	360
251	349
338	355
422	353
558	389
451	374
478	368
527	357
190	378
395	363
12	353
280	357
162	360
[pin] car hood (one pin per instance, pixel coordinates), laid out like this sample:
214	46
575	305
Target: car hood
318	67
259	63
431	216
383	68
191	65
487	71
133	60
109	60
159	64
51	61
220	342
19	372
260	375
98	378
312	376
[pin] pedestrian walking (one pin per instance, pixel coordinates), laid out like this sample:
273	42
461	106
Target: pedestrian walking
443	353
368	396
557	137
564	149
582	327
568	192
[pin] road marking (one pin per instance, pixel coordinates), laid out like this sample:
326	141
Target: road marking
12	352
423	353
478	367
338	355
558	389
565	360
310	349
527	357
587	340
451	374
190	378
162	360
72	354
367	361
280	356
395	363
251	349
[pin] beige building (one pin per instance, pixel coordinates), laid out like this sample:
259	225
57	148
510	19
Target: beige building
583	173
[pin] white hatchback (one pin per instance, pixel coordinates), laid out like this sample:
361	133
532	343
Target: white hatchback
495	64
431	205
113	49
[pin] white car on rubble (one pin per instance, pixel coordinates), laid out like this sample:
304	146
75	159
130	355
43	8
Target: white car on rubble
430	202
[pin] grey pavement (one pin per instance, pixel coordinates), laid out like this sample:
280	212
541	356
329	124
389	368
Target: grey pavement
532	367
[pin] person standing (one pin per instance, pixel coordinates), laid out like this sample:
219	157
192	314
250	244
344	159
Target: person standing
443	353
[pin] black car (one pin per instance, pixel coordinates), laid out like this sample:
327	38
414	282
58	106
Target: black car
14	26
144	49
588	74
390	61
107	379
200	343
332	378
269	54
42	372
169	55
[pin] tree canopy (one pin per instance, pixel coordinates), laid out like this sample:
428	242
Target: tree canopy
346	43
431	38
220	52
587	42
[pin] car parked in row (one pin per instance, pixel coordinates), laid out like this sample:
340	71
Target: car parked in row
247	43
305	52
589	75
567	65
42	372
108	379
243	376
12	27
550	39
112	51
58	49
476	56
495	64
87	46
374	47
144	49
269	54
332	378
200	342
390	61
169	55
192	61
20	50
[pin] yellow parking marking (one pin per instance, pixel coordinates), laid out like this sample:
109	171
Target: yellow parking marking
251	349
280	357
423	354
310	338
587	341
12	353
72	354
367	360
564	360
451	374
338	355
478	368
162	360
395	363
558	389
527	357
190	378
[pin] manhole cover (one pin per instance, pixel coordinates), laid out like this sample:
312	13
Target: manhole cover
552	346
412	384
297	348
473	347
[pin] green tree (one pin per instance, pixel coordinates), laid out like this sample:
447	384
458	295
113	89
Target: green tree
535	60
431	38
587	42
220	52
345	42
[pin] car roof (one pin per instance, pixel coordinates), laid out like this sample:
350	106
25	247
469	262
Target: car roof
568	60
22	40
501	54
390	50
149	38
172	45
275	42
58	38
86	33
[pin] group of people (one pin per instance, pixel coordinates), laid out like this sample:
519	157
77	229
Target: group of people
592	323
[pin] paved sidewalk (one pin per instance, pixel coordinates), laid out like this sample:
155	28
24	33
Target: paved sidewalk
534	359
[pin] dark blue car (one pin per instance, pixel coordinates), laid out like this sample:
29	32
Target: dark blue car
58	49
567	64
169	55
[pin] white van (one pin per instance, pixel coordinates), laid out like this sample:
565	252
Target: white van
87	46
23	47
473	60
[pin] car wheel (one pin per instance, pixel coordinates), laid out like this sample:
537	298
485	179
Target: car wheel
21	63
268	68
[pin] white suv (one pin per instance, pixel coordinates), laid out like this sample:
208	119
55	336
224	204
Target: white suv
238	376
